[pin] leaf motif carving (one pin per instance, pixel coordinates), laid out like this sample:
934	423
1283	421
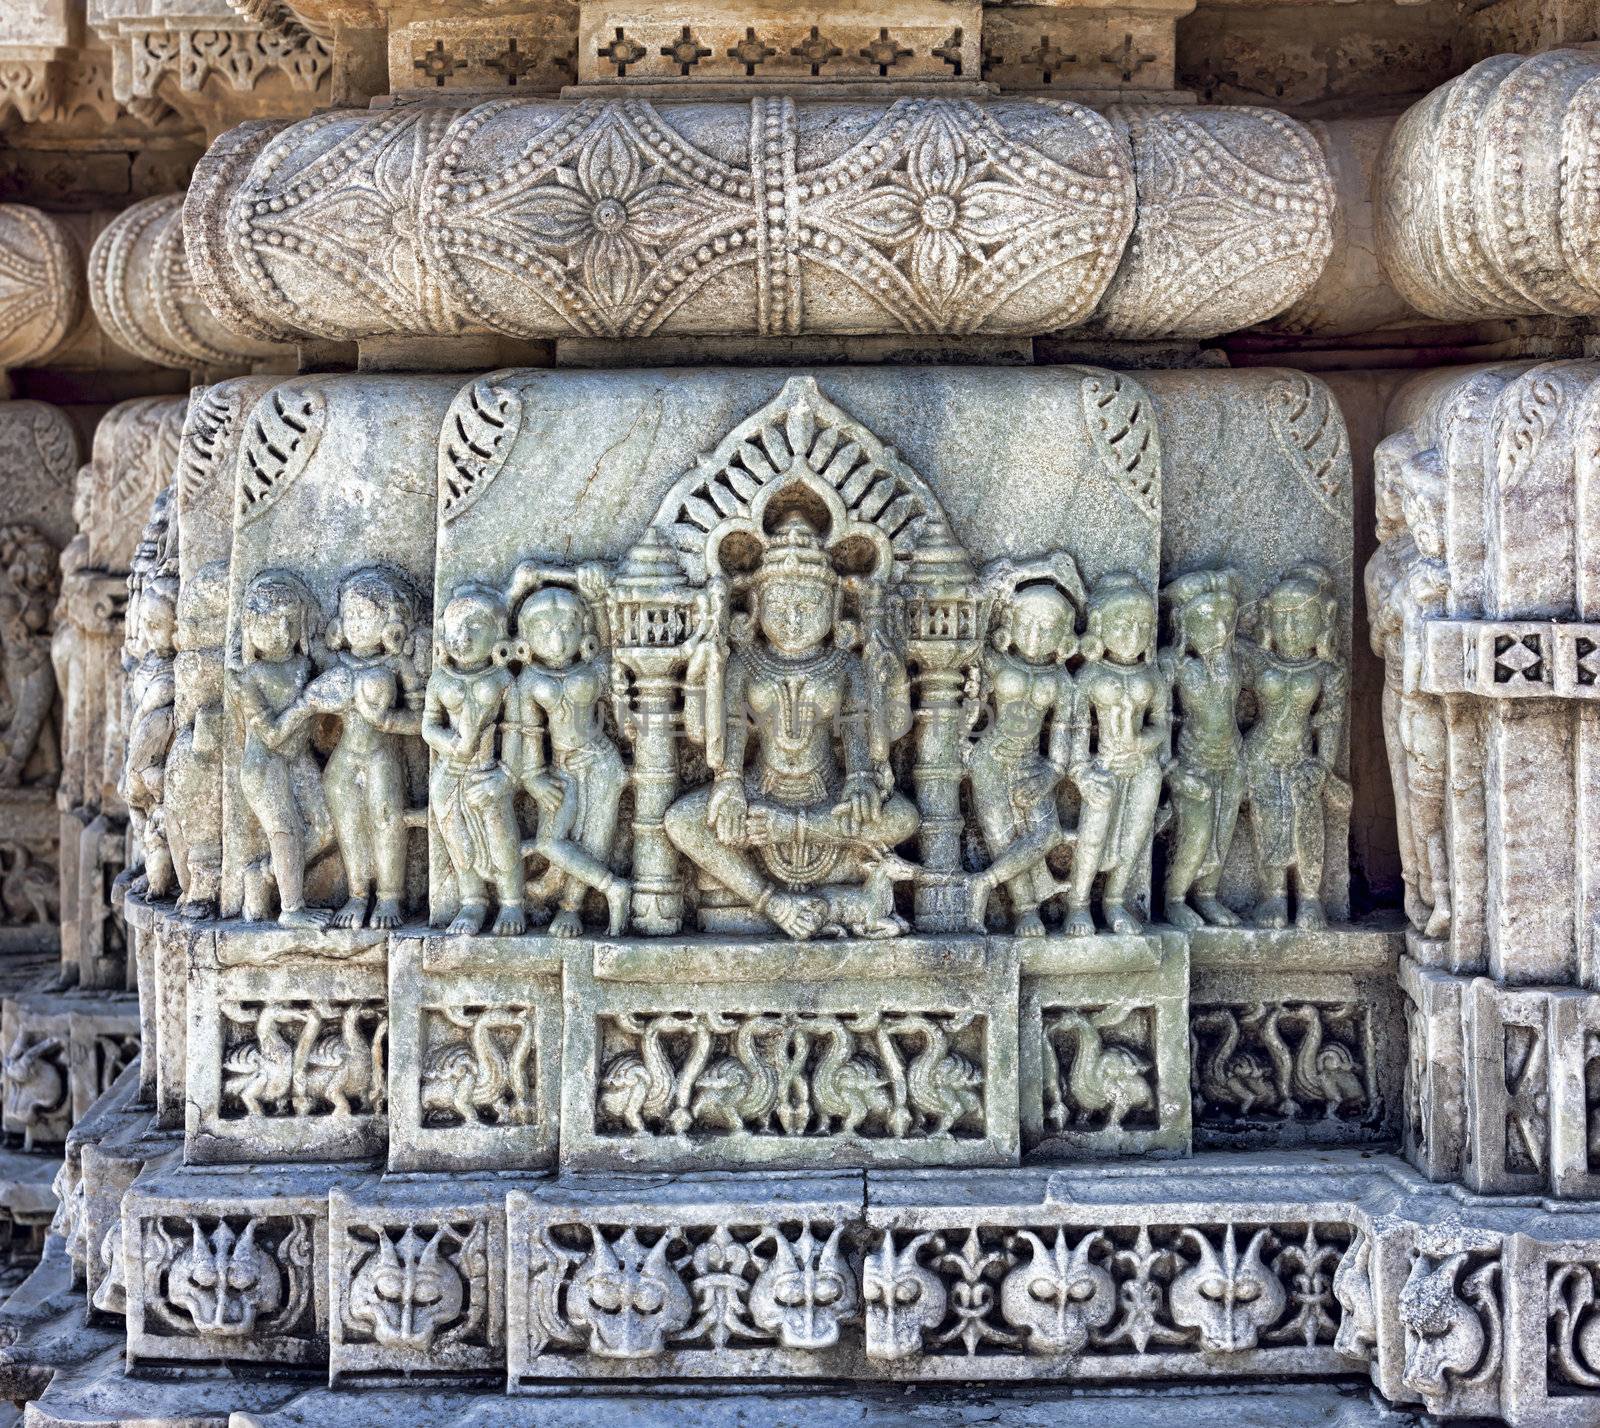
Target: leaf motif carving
54	440
206	436
479	431
284	429
1122	429
1310	431
1527	418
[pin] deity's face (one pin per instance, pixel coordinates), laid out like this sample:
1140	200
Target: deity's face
272	624
470	629
158	623
363	621
1424	518
1209	621
1127	626
1297	623
33	567
796	614
552	626
1040	625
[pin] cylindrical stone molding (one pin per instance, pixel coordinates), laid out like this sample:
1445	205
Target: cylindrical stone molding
1234	220
146	299
621	218
41	285
1489	192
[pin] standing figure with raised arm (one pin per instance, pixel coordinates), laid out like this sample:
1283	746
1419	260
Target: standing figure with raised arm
278	771
471	797
1206	779
1025	685
1119	748
1291	752
562	691
374	685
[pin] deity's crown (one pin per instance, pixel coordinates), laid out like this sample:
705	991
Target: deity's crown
795	552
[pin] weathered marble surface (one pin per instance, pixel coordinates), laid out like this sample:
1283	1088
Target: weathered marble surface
623	218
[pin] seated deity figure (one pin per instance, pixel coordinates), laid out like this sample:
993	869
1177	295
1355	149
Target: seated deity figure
151	690
783	824
1291	750
577	786
470	793
1015	770
1206	779
28	696
374	686
1120	744
278	771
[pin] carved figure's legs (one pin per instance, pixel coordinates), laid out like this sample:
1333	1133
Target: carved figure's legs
268	789
1100	792
1424	737
577	840
689	832
1206	808
34	697
1394	743
1135	826
478	825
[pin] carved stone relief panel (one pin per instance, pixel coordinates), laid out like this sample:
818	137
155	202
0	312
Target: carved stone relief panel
1486	194
686	1056
35	1074
227	1265
1550	1288
287	1047
328	650
476	1051
622	42
1190	271
786	477
1435	1132
1256	570
1297	1039
1452	1311
417	1285
601	1285
1103	1061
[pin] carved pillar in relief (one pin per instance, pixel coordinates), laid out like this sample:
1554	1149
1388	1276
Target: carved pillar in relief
135	448
1484	598
38	455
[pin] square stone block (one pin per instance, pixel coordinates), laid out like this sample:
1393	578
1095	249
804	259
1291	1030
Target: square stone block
177	943
1103	1046
417	1279
1574	1112
1552	1313
1297	1037
1508	1085
228	1265
727	1055
286	1046
1434	1132
475	1037
109	1165
621	1277
61	1052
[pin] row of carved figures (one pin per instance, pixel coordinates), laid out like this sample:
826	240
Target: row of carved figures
635	1291
764	727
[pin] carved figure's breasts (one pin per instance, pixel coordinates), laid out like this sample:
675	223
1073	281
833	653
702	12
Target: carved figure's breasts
795	710
1120	696
570	700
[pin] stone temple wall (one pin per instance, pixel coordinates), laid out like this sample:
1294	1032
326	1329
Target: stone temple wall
815	715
